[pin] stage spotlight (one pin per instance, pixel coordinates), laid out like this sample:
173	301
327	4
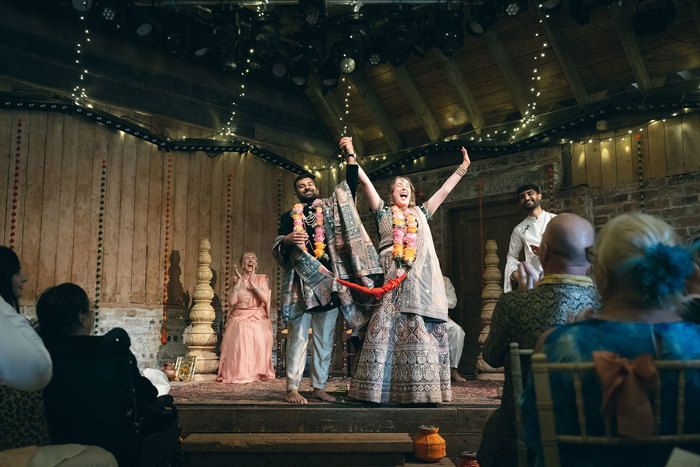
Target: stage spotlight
376	52
515	7
82	6
401	32
112	13
299	73
354	43
313	42
279	66
141	21
312	11
202	39
551	5
449	33
653	16
177	37
481	18
328	74
226	37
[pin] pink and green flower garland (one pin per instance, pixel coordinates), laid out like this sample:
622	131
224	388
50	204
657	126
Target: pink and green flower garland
405	237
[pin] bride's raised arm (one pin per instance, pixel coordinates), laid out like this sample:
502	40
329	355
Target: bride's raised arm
436	200
373	198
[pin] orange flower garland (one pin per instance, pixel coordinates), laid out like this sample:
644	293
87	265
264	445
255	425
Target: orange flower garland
319	231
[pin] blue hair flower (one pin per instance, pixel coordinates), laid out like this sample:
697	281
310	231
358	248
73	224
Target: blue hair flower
662	270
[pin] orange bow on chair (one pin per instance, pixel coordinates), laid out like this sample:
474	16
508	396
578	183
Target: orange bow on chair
378	292
624	384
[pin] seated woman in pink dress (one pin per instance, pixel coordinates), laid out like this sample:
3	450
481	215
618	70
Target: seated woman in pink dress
246	348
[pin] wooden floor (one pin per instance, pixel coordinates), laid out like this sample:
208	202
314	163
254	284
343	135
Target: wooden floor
213	411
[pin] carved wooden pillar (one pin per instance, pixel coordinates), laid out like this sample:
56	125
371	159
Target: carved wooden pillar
201	339
490	295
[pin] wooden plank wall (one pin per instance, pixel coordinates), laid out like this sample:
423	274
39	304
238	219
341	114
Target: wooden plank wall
59	194
668	148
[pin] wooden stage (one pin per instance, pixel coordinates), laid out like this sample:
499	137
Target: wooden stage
252	424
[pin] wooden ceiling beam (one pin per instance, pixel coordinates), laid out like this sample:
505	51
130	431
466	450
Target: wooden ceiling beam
566	61
456	78
381	118
333	112
630	46
409	88
505	65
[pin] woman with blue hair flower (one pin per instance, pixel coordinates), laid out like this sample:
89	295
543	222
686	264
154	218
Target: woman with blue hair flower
641	268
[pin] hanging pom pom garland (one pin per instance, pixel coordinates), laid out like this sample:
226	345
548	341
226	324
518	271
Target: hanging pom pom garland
100	236
228	246
166	256
15	189
641	170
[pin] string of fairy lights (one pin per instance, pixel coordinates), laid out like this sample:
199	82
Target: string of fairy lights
78	93
245	71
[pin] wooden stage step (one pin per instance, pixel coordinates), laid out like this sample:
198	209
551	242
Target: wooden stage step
461	426
298	449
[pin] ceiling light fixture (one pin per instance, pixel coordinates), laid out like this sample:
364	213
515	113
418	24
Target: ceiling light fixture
449	33
481	18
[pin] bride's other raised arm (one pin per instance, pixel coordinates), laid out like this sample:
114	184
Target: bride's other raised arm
436	200
373	198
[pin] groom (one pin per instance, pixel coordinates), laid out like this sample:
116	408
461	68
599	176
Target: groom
310	295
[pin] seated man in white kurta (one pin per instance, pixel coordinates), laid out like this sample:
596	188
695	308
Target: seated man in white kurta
455	333
527	235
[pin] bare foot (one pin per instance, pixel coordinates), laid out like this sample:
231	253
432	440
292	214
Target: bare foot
323	395
456	376
293	397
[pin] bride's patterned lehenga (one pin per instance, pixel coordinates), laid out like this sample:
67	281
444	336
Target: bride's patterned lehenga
405	357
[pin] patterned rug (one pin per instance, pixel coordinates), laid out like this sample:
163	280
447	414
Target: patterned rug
471	393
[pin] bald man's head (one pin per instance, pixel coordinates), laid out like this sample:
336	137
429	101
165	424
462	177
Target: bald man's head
564	243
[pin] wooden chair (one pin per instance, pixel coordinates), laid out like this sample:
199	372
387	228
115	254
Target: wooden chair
551	440
516	353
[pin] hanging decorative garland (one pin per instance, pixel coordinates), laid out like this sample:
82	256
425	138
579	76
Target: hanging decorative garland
481	231
15	190
641	170
166	257
100	236
278	366
228	246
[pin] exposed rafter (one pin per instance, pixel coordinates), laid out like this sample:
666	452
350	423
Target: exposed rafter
505	64
377	110
408	86
333	111
454	75
566	61
630	46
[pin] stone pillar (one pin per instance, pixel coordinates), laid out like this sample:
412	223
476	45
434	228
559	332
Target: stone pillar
201	337
490	295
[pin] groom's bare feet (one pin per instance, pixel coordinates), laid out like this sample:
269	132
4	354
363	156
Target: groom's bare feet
456	376
293	397
323	395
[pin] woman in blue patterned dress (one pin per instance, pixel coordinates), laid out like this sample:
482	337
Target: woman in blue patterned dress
405	356
641	269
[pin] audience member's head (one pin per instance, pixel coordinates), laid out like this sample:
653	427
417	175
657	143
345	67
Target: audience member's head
640	261
64	310
11	278
564	243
